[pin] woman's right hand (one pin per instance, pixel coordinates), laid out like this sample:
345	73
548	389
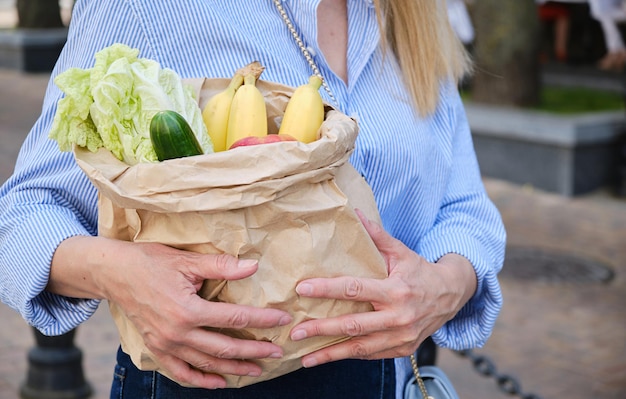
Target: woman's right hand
157	288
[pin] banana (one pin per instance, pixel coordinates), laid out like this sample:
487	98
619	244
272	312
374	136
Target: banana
248	115
216	111
305	112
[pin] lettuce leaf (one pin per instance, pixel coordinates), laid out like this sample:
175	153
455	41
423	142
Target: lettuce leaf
111	105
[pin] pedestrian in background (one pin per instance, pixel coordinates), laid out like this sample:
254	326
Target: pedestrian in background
610	13
461	21
559	14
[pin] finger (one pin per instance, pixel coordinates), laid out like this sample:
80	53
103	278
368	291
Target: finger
227	315
218	365
383	240
368	347
220	267
221	346
352	325
344	287
184	373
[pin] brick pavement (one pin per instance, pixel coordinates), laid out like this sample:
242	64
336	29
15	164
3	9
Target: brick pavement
561	340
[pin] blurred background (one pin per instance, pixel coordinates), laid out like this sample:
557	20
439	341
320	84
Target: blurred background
546	108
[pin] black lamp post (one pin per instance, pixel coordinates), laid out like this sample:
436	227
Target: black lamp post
55	369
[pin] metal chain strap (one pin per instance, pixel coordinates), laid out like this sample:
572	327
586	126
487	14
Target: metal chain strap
486	367
418	378
305	52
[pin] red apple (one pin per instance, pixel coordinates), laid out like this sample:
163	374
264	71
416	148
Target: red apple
254	140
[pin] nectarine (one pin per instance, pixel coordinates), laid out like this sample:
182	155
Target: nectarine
254	140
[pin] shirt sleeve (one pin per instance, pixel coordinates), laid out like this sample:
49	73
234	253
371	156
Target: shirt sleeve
48	198
468	224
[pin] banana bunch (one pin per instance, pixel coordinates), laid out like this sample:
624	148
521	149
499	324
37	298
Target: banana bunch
237	111
248	115
304	113
215	113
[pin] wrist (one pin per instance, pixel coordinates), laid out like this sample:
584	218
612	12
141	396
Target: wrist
460	274
80	265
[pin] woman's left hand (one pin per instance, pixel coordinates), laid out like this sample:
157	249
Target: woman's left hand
412	303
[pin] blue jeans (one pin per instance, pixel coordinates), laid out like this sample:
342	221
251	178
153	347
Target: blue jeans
339	380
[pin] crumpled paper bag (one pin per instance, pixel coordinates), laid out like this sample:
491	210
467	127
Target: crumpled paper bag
288	205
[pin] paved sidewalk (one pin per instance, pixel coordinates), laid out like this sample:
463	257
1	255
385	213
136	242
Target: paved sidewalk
560	340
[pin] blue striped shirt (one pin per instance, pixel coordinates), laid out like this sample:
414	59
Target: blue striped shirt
423	171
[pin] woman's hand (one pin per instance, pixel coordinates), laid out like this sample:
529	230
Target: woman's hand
415	300
156	286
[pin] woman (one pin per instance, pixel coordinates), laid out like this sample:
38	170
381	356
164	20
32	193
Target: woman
442	238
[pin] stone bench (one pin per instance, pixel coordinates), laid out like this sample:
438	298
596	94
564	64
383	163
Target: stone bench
566	154
31	50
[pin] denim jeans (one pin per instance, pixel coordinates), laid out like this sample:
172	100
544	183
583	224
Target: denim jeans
339	380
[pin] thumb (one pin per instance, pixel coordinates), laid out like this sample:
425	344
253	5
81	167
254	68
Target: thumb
385	243
225	267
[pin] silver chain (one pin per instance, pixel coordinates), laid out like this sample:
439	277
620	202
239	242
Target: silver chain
305	52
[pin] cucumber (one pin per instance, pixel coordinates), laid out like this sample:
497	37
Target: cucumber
172	136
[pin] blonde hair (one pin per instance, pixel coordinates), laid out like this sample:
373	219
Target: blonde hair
428	51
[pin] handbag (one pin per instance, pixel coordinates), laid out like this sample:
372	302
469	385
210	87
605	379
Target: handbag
430	382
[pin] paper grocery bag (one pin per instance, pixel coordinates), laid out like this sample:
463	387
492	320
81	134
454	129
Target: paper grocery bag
288	205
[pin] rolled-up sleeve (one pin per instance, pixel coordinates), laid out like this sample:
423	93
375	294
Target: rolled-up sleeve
47	200
468	224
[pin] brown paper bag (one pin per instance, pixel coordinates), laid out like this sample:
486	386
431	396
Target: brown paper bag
289	205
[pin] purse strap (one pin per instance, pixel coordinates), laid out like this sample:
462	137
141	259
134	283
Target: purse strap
303	49
316	71
418	378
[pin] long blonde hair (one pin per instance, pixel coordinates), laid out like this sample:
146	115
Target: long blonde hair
428	51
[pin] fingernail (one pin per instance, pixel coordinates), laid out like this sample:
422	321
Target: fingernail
304	289
246	263
276	355
254	373
298	335
284	320
309	362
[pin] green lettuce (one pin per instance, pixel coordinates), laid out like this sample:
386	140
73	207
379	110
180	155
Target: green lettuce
111	105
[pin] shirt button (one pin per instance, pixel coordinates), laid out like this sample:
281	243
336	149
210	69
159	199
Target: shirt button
311	51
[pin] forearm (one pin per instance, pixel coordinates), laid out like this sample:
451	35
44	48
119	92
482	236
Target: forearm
79	264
